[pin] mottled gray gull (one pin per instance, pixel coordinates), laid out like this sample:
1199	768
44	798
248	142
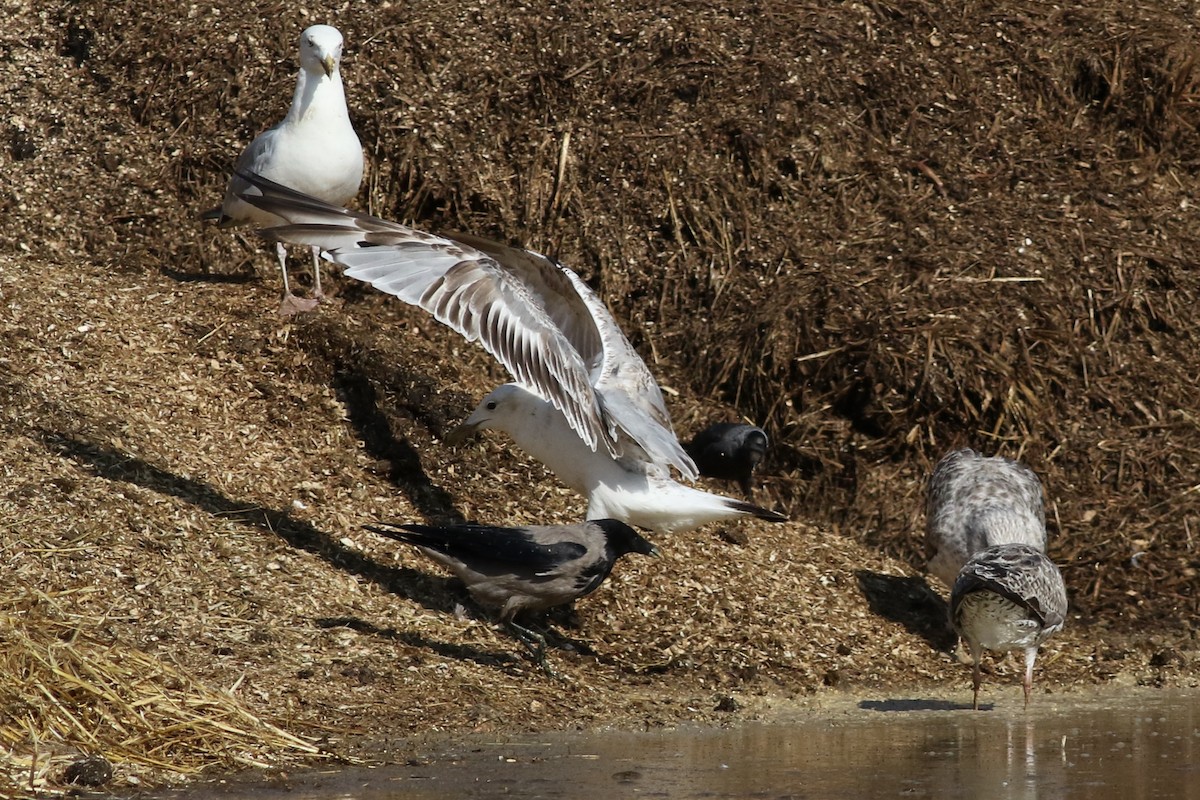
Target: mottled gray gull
314	150
583	402
729	451
975	501
511	570
1008	597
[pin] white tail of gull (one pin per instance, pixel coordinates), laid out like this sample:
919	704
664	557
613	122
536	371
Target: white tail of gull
601	423
314	150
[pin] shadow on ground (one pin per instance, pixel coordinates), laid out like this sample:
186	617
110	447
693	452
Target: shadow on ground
910	602
453	651
360	399
916	704
436	594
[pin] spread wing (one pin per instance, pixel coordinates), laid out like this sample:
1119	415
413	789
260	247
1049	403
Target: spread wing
461	287
537	317
628	394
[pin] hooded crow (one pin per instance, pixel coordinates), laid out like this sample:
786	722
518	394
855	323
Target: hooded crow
517	569
729	451
1008	597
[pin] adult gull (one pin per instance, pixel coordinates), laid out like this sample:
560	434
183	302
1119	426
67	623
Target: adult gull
314	150
582	401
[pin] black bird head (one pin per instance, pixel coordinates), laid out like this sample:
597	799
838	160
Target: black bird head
624	539
729	451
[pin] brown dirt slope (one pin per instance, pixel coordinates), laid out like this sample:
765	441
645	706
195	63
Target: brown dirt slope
880	229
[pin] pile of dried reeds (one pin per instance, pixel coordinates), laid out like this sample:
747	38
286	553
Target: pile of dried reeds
71	689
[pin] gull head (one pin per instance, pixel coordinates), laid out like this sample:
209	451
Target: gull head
321	49
502	405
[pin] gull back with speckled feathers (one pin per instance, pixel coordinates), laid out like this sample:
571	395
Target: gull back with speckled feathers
975	501
1020	573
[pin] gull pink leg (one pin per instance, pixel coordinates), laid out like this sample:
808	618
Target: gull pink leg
291	304
316	254
1030	657
975	686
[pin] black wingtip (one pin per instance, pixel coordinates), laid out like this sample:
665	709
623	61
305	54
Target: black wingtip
272	196
757	511
400	531
265	184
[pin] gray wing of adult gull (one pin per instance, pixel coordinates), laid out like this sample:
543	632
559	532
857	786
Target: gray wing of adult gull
538	318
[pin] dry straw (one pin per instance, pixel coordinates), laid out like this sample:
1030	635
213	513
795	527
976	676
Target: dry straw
68	689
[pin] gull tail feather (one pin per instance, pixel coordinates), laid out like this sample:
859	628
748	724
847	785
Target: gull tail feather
756	511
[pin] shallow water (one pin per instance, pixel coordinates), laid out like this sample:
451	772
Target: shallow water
1113	744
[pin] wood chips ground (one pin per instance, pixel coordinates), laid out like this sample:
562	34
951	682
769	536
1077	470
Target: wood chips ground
879	229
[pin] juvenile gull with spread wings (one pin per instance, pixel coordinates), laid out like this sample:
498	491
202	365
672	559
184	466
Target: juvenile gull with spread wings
1008	597
313	150
583	402
975	501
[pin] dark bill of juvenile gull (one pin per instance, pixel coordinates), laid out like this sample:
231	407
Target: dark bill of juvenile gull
582	401
1008	597
975	501
314	150
511	570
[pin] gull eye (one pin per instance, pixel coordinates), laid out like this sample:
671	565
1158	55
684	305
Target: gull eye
491	406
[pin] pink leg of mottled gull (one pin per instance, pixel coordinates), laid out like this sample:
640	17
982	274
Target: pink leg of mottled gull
976	677
1030	657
